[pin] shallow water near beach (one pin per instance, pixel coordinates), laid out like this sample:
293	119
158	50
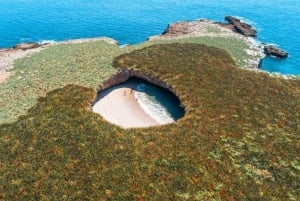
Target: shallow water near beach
161	104
133	21
158	103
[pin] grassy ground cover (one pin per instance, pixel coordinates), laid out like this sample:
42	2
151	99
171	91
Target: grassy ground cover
236	47
86	64
239	138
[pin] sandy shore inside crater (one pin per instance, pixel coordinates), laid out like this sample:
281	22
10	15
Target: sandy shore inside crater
119	106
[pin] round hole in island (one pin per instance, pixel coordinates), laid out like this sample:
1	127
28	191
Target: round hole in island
137	103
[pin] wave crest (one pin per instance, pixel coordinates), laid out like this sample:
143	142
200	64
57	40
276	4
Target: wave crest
151	105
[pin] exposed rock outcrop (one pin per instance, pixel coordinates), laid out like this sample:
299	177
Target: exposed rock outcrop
125	74
177	29
275	51
208	28
185	28
26	46
240	27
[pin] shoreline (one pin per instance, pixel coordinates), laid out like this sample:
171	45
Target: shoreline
9	55
194	28
119	106
209	28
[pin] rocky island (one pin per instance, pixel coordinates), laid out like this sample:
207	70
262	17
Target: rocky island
238	137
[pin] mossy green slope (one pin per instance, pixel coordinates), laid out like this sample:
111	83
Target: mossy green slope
239	139
86	64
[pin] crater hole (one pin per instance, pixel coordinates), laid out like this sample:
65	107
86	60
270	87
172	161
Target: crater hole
138	103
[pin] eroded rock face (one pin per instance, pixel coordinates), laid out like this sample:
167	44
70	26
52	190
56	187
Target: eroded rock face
26	46
275	51
241	27
124	75
196	28
234	24
177	29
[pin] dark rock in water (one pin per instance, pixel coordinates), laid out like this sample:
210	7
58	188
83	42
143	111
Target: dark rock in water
241	27
26	46
275	51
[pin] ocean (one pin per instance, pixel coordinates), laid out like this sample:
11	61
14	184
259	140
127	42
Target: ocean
131	22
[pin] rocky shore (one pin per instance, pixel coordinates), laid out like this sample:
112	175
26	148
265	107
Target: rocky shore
207	28
234	28
235	25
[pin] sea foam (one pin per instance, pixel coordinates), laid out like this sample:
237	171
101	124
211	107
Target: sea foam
151	105
43	42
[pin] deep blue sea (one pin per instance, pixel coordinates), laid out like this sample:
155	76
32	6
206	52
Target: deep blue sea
130	22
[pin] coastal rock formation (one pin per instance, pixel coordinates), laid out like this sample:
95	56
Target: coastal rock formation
275	51
177	29
124	75
200	26
207	28
219	29
26	46
240	27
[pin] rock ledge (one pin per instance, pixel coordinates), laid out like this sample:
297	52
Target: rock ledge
241	27
275	51
26	46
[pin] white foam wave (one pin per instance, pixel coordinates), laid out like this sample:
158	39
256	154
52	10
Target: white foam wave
43	42
152	107
124	45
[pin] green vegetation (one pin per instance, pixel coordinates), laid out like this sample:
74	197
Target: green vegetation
86	64
239	139
236	47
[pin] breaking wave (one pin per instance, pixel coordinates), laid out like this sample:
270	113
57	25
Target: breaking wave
149	99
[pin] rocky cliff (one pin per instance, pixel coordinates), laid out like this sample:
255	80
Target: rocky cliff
205	27
125	74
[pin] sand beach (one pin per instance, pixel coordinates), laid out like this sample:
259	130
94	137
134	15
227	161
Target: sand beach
119	106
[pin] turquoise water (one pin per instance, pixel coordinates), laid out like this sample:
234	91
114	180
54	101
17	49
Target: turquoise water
133	21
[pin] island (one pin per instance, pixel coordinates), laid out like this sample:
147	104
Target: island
238	137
